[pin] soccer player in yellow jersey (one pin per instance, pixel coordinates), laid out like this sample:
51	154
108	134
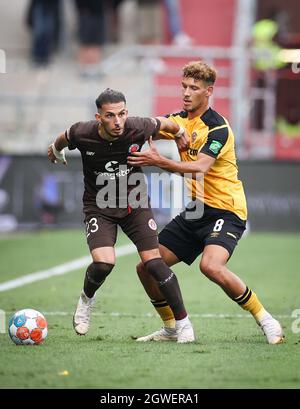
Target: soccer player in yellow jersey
209	150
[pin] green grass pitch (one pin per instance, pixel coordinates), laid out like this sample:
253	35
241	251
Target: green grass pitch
230	352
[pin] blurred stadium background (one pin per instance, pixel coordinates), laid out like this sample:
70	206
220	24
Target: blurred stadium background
255	46
257	90
38	101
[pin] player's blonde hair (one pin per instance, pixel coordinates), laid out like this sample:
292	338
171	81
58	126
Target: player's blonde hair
200	71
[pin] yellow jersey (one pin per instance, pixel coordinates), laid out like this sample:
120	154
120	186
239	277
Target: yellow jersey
211	134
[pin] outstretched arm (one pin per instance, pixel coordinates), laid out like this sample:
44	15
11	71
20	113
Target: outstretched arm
180	135
152	157
56	149
169	126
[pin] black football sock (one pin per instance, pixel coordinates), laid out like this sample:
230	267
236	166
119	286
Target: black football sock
95	276
168	285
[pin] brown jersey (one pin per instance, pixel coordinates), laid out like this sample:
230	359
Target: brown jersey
108	158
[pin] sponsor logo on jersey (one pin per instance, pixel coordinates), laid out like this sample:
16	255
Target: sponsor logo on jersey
133	148
152	224
215	147
89	153
193	152
114	171
214	235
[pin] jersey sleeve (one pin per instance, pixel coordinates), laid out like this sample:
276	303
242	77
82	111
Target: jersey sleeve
216	142
151	127
166	135
72	137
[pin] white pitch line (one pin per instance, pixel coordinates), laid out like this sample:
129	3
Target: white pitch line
60	269
150	315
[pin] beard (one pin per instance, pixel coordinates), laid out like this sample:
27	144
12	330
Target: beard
112	135
194	108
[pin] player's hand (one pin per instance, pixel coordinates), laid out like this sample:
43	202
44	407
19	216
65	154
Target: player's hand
151	157
56	156
183	142
51	156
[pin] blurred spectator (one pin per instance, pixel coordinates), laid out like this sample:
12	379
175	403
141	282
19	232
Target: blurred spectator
112	28
44	20
179	37
150	22
149	26
267	52
289	126
142	22
91	28
267	60
282	19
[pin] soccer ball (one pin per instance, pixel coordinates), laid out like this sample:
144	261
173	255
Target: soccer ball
28	327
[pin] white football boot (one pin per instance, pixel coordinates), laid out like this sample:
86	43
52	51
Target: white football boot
82	316
271	328
185	331
182	333
163	334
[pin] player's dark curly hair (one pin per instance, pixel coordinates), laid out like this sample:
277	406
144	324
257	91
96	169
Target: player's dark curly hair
109	96
200	71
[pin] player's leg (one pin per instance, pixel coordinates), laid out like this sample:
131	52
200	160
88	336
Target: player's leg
99	269
216	253
101	242
147	280
157	299
170	290
141	228
175	243
213	266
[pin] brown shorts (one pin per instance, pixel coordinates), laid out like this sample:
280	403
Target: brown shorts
138	224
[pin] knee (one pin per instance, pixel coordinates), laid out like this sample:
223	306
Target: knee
98	271
212	270
141	270
154	266
159	270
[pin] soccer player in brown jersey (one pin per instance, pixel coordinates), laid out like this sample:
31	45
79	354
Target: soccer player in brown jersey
105	144
216	232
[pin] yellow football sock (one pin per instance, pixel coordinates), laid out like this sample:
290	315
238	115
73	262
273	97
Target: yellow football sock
165	312
249	302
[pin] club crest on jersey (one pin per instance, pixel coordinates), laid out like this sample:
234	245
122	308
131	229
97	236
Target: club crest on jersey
152	224
133	148
194	137
112	166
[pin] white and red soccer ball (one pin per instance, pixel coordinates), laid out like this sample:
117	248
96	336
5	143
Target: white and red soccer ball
28	327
